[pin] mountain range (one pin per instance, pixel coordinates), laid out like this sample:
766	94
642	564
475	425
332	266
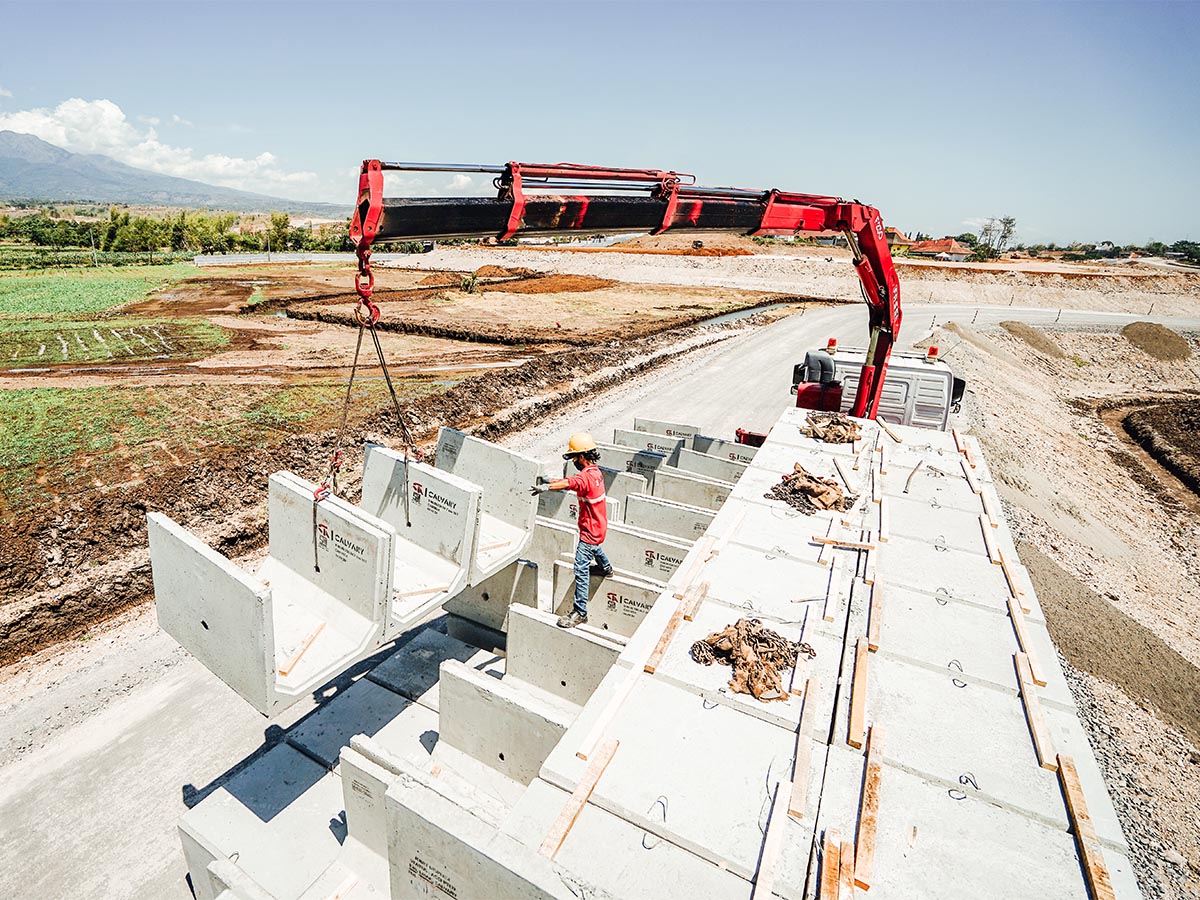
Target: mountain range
33	170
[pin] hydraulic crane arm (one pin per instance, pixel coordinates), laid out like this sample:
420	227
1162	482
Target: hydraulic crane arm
547	199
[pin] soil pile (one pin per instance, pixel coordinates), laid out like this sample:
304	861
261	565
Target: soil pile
553	284
1034	338
757	655
502	272
1157	341
832	428
810	493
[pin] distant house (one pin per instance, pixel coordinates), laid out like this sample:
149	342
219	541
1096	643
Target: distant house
1104	247
946	248
898	241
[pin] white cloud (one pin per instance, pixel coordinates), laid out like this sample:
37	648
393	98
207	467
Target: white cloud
100	126
149	120
5	92
180	120
460	183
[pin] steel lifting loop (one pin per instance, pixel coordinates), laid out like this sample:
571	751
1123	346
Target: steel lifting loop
364	290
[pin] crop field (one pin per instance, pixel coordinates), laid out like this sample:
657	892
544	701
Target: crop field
41	342
58	441
82	291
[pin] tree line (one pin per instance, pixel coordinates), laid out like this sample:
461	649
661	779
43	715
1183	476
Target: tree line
196	232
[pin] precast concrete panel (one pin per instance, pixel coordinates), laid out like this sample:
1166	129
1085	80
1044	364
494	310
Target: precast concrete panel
944	840
218	613
709	466
655	443
568	663
604	850
930	565
695	490
489	601
339	552
772	525
437	847
676	519
273	818
670	429
615	604
644	554
639	462
552	540
711	761
780	587
508	726
723	449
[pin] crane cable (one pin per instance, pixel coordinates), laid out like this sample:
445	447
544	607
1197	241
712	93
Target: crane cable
366	313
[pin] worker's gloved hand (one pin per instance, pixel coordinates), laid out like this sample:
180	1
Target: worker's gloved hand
541	487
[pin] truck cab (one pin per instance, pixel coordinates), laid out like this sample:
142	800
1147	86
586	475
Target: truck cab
919	389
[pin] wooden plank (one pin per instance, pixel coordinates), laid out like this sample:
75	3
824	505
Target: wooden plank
1018	620
883	458
833	591
885	521
664	640
1013	587
1090	854
958	441
846	872
840	466
858	459
697	559
868	811
1042	742
831	864
988	541
858	696
692	599
895	437
971	482
596	732
875	619
989	510
843	542
291	661
968	452
764	879
432	590
826	553
802	761
579	797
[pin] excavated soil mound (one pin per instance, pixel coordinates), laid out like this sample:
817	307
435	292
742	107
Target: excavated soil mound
501	272
1099	639
1170	432
553	284
1034	338
1157	340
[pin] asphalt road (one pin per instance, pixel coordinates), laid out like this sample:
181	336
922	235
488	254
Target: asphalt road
122	730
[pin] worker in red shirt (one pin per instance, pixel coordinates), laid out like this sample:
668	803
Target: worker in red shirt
593	520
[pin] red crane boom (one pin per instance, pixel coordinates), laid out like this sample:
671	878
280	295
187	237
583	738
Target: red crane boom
546	199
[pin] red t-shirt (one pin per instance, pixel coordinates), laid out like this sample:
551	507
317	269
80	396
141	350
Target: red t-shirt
593	506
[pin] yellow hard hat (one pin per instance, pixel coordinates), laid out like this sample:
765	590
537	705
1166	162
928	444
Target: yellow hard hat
581	442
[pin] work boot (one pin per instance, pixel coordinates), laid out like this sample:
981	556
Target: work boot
571	619
599	571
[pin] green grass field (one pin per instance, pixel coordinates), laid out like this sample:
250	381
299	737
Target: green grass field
81	291
67	439
42	342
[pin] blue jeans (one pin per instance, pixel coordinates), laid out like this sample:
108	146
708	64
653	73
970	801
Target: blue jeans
584	553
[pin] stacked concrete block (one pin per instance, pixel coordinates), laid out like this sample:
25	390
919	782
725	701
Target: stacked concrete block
709	466
723	449
616	604
671	483
639	462
618	484
669	429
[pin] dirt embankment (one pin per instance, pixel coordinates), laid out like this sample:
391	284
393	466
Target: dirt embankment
1170	433
95	553
1157	340
1034	338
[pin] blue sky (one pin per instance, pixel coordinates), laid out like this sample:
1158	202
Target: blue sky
1080	119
